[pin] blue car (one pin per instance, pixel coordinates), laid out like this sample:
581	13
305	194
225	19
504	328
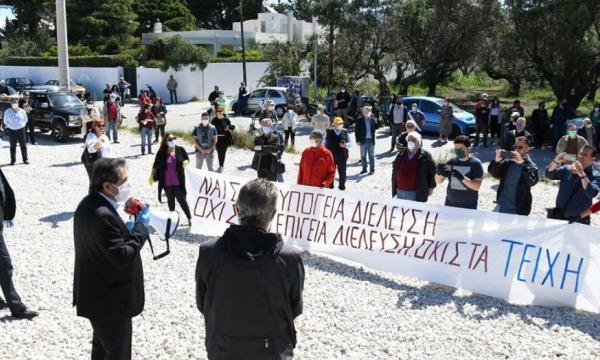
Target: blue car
463	122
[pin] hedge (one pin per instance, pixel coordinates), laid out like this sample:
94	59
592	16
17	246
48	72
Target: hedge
87	61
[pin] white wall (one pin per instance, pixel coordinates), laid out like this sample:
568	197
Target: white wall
198	83
93	78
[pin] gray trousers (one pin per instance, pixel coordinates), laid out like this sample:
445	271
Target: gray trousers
200	157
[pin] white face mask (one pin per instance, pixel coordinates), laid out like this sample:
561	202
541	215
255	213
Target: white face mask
313	143
124	192
337	128
597	109
14	106
204	122
172	143
266	130
290	111
411	145
414	109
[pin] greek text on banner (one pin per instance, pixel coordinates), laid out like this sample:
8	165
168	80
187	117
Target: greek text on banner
524	260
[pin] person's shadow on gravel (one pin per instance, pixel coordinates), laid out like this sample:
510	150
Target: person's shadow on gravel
57	218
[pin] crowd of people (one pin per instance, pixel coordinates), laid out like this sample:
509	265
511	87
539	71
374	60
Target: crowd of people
108	276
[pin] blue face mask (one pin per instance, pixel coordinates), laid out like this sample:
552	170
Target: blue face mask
266	130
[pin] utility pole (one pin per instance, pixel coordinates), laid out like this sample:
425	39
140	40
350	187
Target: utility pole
241	10
316	37
63	46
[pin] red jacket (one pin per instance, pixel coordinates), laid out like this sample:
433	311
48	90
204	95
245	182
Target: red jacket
317	167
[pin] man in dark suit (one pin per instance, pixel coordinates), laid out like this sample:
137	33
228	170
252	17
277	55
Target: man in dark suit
365	138
108	284
7	213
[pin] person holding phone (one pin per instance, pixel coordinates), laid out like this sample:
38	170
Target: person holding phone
517	174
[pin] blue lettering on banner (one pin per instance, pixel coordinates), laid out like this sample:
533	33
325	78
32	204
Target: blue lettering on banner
561	266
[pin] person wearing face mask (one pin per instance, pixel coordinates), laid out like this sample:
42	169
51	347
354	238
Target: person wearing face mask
560	115
413	171
205	140
15	122
464	173
111	112
289	122
26	104
159	110
317	167
168	169
365	138
320	121
411	126
398	115
267	111
417	115
517	174
579	184
595	117
342	100
446	121
570	144
517	132
97	145
249	283
338	141
508	127
224	138
145	120
495	120
108	286
482	116
266	150
588	132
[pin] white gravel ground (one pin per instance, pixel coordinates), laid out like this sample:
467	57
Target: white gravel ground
350	312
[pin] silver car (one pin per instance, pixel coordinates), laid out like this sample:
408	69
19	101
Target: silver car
277	94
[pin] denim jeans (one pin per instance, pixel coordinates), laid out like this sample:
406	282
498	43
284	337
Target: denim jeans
367	147
112	125
406	195
146	138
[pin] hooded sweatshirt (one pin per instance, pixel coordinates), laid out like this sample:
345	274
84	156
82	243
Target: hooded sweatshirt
249	289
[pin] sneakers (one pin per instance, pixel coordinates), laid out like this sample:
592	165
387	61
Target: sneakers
25	314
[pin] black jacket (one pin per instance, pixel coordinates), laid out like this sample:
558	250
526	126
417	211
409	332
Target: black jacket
224	137
249	289
360	129
529	177
266	152
332	142
425	178
594	143
108	276
8	205
160	168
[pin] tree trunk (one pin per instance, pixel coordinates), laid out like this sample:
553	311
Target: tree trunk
404	85
593	89
330	58
514	89
431	89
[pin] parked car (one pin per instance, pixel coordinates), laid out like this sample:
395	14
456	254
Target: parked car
54	85
463	122
277	94
19	83
59	111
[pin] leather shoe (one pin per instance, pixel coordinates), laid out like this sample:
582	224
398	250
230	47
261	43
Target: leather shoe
3	304
25	314
26	162
363	172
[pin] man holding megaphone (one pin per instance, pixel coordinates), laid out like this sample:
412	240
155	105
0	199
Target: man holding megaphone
108	286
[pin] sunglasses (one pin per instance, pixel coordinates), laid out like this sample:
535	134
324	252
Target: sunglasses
100	126
172	138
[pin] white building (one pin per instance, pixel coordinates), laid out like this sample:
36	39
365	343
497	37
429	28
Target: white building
269	27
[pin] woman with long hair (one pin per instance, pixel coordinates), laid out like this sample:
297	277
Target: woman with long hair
168	170
225	139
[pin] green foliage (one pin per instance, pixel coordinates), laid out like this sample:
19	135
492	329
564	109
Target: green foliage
232	55
284	59
104	26
221	14
29	14
86	61
74	50
153	63
242	139
173	14
180	52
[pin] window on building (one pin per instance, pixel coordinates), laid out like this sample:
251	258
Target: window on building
263	26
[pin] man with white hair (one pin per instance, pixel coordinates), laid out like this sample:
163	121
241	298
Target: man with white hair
249	283
413	172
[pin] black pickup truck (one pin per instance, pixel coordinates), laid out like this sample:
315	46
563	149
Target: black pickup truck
61	112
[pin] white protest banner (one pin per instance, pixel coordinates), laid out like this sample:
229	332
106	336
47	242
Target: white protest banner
524	260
